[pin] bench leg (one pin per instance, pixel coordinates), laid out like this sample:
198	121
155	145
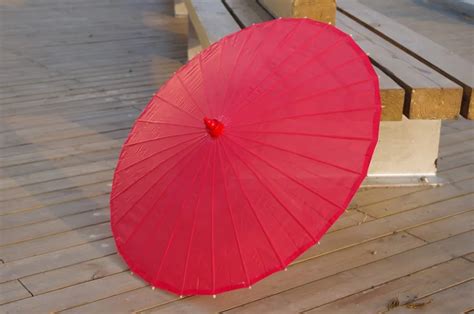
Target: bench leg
180	8
406	153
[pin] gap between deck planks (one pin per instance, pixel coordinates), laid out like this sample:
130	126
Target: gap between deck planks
404	290
386	223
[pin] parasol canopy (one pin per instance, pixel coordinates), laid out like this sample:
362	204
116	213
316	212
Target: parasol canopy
245	157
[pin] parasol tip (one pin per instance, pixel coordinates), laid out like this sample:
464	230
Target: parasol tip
214	126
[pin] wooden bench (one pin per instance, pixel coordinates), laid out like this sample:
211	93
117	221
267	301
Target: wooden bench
180	8
421	82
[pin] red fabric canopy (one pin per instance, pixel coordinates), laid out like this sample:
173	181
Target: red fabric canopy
245	157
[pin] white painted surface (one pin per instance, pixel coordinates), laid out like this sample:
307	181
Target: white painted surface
406	148
180	8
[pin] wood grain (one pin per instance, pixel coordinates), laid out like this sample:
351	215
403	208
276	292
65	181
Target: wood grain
405	289
319	10
429	95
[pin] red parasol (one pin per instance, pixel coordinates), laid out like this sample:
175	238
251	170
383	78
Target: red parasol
245	157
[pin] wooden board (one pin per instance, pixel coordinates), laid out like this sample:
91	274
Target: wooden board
457	299
74	274
11	291
211	20
75	295
20	234
443	60
420	198
247	12
56	259
445	228
429	95
392	96
405	289
55	242
319	10
180	8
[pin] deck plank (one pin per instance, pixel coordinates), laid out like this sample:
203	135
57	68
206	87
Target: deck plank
404	290
54	211
75	295
32	190
457	299
55	242
420	198
377	228
56	259
445	228
315	291
55	197
29	232
74	274
54	174
125	303
12	291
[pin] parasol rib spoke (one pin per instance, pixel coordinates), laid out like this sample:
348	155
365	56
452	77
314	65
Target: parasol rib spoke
311	79
272	71
303	66
157	198
310	134
255	54
274	195
287	175
203	77
174	229
156	153
236	62
177	107
297	154
155	167
279	201
229	208
170	124
191	236
189	94
208	98
295	117
327	91
253	209
161	138
213	182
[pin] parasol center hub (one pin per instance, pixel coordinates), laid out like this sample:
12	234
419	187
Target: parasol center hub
214	127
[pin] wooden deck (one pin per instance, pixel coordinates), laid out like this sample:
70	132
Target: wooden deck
74	74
